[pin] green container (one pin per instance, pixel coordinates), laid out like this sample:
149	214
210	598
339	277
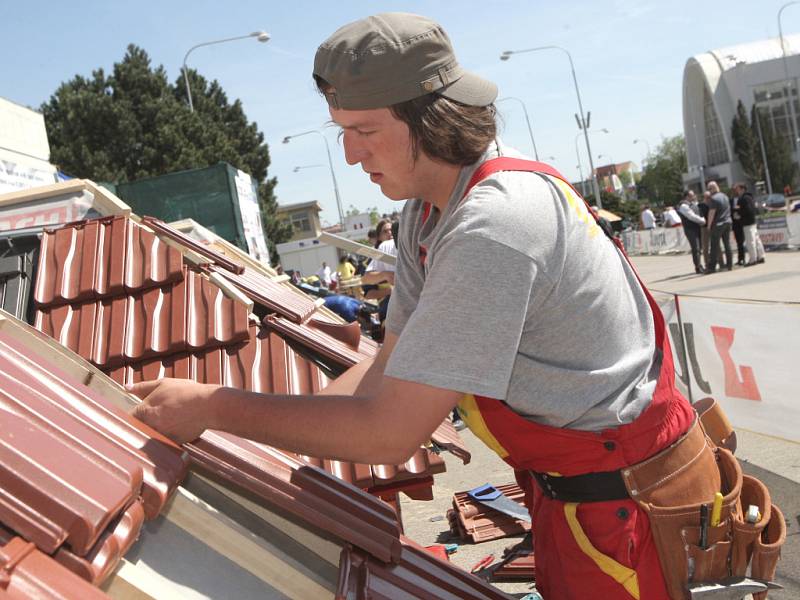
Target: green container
207	195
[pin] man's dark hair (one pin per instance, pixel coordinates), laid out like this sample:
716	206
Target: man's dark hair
445	130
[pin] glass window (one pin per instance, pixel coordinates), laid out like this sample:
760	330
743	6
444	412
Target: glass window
716	153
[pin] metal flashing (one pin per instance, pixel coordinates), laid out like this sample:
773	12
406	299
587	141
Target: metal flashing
18	257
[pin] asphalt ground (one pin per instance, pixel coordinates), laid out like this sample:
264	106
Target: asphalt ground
776	462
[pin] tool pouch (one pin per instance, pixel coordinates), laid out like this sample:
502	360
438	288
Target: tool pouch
745	534
670	487
767	549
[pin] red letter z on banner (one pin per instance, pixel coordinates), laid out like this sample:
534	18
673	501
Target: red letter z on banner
746	387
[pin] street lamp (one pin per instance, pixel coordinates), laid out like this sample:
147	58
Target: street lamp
583	124
261	36
330	164
296	169
527	120
786	76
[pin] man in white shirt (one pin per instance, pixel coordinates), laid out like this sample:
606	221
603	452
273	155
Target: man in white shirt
324	275
648	218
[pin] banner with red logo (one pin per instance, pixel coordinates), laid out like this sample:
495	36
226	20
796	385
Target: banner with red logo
746	355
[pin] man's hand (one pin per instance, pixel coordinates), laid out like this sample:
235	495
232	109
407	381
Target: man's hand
180	409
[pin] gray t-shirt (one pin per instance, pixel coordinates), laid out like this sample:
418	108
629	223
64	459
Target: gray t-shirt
720	202
522	299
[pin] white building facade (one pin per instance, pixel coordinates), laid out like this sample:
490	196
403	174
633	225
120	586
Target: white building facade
713	84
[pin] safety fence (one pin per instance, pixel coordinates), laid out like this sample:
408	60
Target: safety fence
776	231
746	354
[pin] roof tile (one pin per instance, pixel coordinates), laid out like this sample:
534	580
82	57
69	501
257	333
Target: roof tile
186	314
26	572
65	407
99	258
272	295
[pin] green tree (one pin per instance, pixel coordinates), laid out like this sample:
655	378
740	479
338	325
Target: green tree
745	145
133	123
662	180
782	169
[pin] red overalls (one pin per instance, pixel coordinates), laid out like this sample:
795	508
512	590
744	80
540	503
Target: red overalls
584	550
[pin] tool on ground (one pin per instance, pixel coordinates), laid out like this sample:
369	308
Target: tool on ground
532	596
490	496
484	562
703	543
716	512
451	548
731	589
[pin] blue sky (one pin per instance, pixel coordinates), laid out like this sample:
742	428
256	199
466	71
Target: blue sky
629	57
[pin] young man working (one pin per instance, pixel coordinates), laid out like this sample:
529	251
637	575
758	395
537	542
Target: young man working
562	366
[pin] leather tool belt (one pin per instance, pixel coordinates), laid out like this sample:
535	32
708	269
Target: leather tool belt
672	485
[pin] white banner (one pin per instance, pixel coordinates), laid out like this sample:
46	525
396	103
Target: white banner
743	354
793	223
251	217
661	240
15	176
774	231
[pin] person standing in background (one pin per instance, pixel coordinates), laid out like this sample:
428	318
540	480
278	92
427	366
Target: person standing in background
736	224
747	218
692	224
647	218
719	227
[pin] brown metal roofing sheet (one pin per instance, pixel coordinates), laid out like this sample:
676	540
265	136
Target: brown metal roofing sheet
267	364
99	258
318	337
105	555
26	573
274	296
182	315
415	574
60	483
313	495
75	407
214	257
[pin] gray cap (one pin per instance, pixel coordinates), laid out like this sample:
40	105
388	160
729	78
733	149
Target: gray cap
391	58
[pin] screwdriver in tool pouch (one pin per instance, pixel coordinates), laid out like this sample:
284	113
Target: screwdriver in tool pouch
703	526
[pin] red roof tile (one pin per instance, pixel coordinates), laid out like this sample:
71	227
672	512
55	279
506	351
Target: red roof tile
415	574
324	338
180	316
26	573
102	257
214	257
475	521
60	406
274	296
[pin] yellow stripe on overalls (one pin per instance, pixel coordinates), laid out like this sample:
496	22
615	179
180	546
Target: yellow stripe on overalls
578	205
471	415
620	573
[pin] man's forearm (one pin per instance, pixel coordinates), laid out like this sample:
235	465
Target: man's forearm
364	432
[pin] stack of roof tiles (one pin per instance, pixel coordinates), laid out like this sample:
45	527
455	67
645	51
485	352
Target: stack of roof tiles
80	480
120	296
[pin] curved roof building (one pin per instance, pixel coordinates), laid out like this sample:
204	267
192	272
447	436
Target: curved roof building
713	84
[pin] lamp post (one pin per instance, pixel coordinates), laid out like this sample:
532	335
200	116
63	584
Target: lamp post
296	169
330	164
261	36
583	124
763	150
787	93
527	120
578	154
